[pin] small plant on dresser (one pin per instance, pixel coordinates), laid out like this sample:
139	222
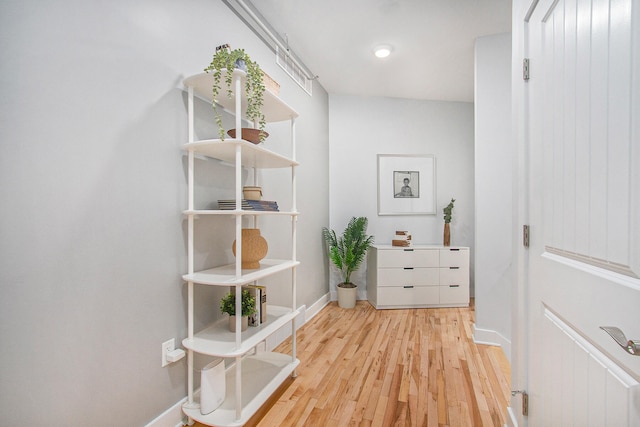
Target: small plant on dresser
446	240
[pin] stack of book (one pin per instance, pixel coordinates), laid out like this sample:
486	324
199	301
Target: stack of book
262	205
402	238
260	294
249	205
229	205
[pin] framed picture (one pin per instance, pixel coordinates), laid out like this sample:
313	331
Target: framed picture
406	184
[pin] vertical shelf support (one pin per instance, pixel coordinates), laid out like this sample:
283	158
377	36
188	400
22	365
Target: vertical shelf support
238	397
190	255
190	113
294	239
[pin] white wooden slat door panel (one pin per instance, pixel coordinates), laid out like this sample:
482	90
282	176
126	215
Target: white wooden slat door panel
581	113
583	146
588	180
597	102
568	164
619	136
597	382
583	386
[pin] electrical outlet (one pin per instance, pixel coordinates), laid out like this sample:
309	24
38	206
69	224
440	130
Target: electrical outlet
167	347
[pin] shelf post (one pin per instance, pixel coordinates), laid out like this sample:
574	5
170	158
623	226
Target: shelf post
293	321
255	182
238	88
238	388
190	115
238	91
190	352
294	239
294	190
190	245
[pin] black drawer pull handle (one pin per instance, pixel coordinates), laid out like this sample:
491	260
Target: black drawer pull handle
408	286
453	268
408	268
408	250
456	249
454	286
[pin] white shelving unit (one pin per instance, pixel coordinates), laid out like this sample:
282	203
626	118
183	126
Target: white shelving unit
253	376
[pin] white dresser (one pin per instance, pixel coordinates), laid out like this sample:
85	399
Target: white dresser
418	276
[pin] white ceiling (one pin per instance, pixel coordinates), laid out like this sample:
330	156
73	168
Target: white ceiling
433	43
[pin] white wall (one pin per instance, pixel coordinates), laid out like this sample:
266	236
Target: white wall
360	128
493	190
92	188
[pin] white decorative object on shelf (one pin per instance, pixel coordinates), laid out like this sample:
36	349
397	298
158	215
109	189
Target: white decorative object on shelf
212	386
251	376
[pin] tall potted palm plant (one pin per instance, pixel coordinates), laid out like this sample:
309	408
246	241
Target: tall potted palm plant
347	253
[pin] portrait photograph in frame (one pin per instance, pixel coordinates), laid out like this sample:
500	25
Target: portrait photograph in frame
406	184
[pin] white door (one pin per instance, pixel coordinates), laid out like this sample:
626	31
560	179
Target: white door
580	112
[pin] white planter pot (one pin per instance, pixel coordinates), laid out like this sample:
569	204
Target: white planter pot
347	296
244	323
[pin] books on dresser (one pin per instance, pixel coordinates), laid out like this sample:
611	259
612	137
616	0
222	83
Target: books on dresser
401	238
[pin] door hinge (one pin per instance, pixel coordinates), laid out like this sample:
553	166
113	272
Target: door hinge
525	236
525	400
525	69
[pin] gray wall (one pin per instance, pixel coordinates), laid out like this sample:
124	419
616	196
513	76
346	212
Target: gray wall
493	190
92	186
363	127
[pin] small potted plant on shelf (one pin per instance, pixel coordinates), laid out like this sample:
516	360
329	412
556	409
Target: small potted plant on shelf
447	219
347	253
227	59
228	305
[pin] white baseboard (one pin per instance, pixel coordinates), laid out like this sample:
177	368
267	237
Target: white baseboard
284	332
490	337
172	417
317	306
511	418
307	314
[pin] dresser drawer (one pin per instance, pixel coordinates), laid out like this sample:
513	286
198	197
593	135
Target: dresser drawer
454	257
408	276
454	276
406	297
454	294
408	258
418	276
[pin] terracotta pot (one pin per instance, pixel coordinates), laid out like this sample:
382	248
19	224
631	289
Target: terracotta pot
254	248
244	323
249	134
447	235
347	295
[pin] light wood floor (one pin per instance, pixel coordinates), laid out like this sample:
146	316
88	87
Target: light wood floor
368	367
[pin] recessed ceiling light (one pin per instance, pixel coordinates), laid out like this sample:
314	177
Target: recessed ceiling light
382	51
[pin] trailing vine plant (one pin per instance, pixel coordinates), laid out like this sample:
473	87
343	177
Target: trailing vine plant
227	59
